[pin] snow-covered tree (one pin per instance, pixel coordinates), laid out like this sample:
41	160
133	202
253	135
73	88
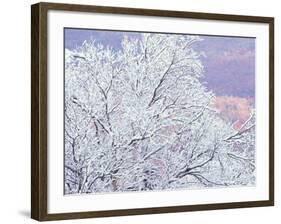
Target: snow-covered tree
139	118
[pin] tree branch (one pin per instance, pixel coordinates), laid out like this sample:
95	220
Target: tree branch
162	79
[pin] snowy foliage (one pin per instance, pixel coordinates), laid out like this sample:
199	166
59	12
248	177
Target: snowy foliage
139	119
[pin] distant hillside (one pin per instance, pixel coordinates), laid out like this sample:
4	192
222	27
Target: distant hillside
235	109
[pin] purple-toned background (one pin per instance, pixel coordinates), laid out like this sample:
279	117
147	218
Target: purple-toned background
229	62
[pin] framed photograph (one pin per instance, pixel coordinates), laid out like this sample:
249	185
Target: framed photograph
140	111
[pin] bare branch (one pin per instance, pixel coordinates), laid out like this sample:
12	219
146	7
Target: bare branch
162	79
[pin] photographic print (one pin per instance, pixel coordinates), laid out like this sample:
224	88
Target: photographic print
157	111
140	111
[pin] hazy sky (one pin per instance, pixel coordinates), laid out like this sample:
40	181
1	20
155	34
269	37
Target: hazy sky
229	63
